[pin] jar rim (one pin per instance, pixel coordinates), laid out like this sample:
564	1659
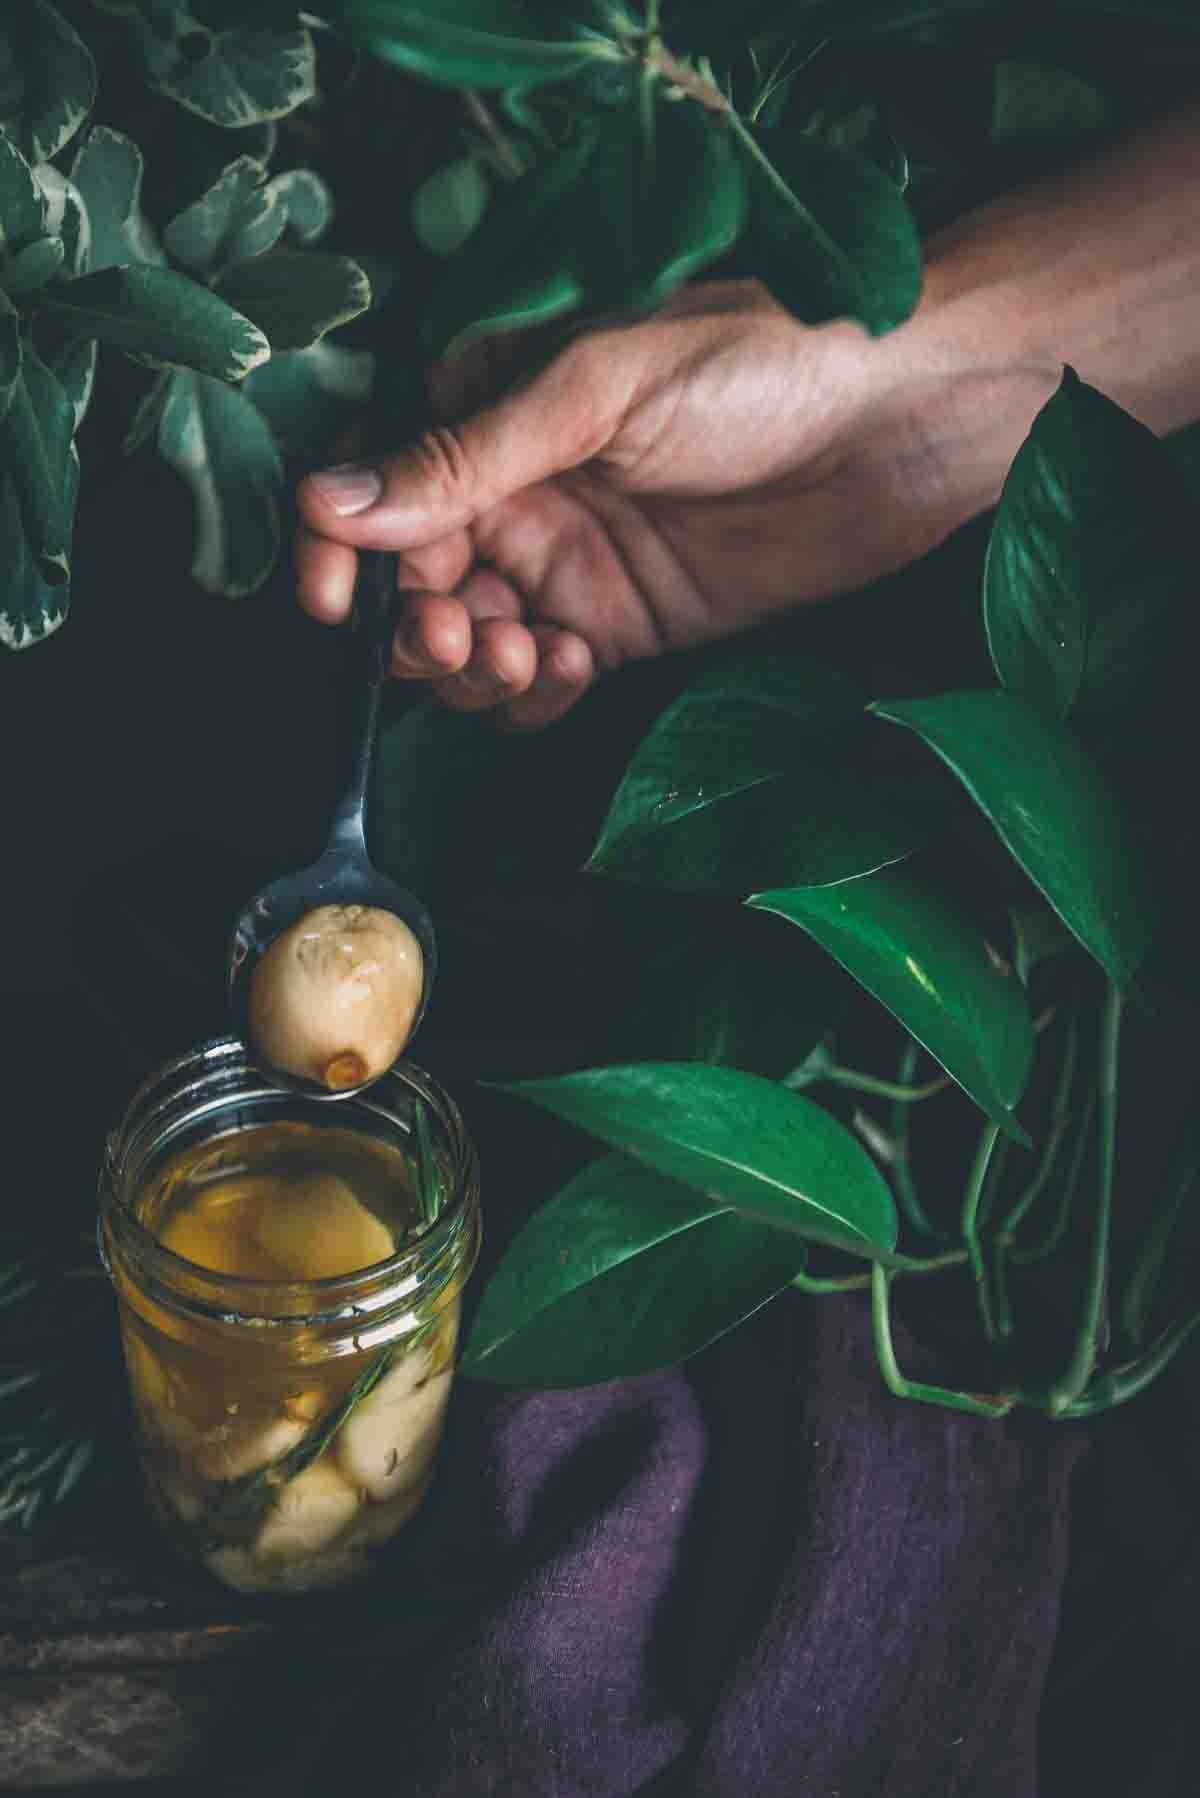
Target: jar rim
143	1129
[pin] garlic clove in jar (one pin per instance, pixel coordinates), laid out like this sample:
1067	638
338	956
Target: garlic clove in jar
315	1229
309	1512
389	1439
240	1446
334	997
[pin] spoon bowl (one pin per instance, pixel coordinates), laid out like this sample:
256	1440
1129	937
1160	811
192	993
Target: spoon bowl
344	873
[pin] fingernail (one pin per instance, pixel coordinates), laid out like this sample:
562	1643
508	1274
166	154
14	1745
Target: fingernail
350	487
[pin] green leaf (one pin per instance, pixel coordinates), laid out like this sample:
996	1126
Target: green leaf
1039	935
36	434
448	206
746	992
1088	554
1052	809
655	205
620	1273
66	217
744	1142
107	172
73	365
161	316
730	791
233	77
467	43
33	266
306	395
10	351
32	606
22	208
514	270
828	231
923	959
48	84
1035	99
236	218
295	296
212	436
307	202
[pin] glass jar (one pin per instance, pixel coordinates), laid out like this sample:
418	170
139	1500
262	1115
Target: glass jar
287	1428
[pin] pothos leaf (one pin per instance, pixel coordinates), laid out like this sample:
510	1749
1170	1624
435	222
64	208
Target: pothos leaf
47	79
238	75
742	1141
22	207
622	1272
828	231
160	316
107	172
212	436
237	217
295	296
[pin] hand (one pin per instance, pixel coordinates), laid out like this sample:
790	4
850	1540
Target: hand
658	485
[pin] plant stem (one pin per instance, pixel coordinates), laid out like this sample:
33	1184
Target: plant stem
1125	1382
900	1264
903	1184
509	161
1068	1388
970	1224
1038	1251
895	1381
660	61
899	1091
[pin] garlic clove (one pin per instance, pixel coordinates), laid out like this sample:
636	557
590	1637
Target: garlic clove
309	1512
241	1445
388	1441
315	1229
334	997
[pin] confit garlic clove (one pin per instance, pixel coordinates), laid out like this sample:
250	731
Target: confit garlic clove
239	1569
334	997
309	1512
238	1447
389	1439
212	1233
316	1229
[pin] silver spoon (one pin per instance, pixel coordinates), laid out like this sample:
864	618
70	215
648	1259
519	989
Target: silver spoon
343	874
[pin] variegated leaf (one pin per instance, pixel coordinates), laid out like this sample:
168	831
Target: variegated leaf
236	218
305	395
308	202
66	217
159	316
222	447
295	296
50	78
107	171
246	73
22	207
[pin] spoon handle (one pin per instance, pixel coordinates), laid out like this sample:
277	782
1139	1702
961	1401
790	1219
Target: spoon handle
373	612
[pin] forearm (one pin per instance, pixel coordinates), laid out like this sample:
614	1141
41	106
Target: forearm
1098	266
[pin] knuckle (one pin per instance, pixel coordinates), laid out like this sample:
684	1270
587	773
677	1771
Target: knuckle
443	463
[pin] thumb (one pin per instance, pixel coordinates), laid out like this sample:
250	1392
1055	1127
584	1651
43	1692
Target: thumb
451	474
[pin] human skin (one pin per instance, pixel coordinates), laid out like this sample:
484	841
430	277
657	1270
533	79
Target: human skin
676	479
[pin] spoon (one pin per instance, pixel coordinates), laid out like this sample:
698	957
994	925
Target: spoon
343	874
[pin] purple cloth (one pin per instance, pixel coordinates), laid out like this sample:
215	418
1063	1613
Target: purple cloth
759	1573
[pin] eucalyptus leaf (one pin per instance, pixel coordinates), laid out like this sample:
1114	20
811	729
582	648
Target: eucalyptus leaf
22	206
161	316
1052	809
307	202
744	1142
514	270
467	43
933	969
236	218
212	436
448	206
730	792
33	266
244	74
307	395
661	197
107	172
66	217
1035	99
622	1272
828	231
295	296
47	79
1088	554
